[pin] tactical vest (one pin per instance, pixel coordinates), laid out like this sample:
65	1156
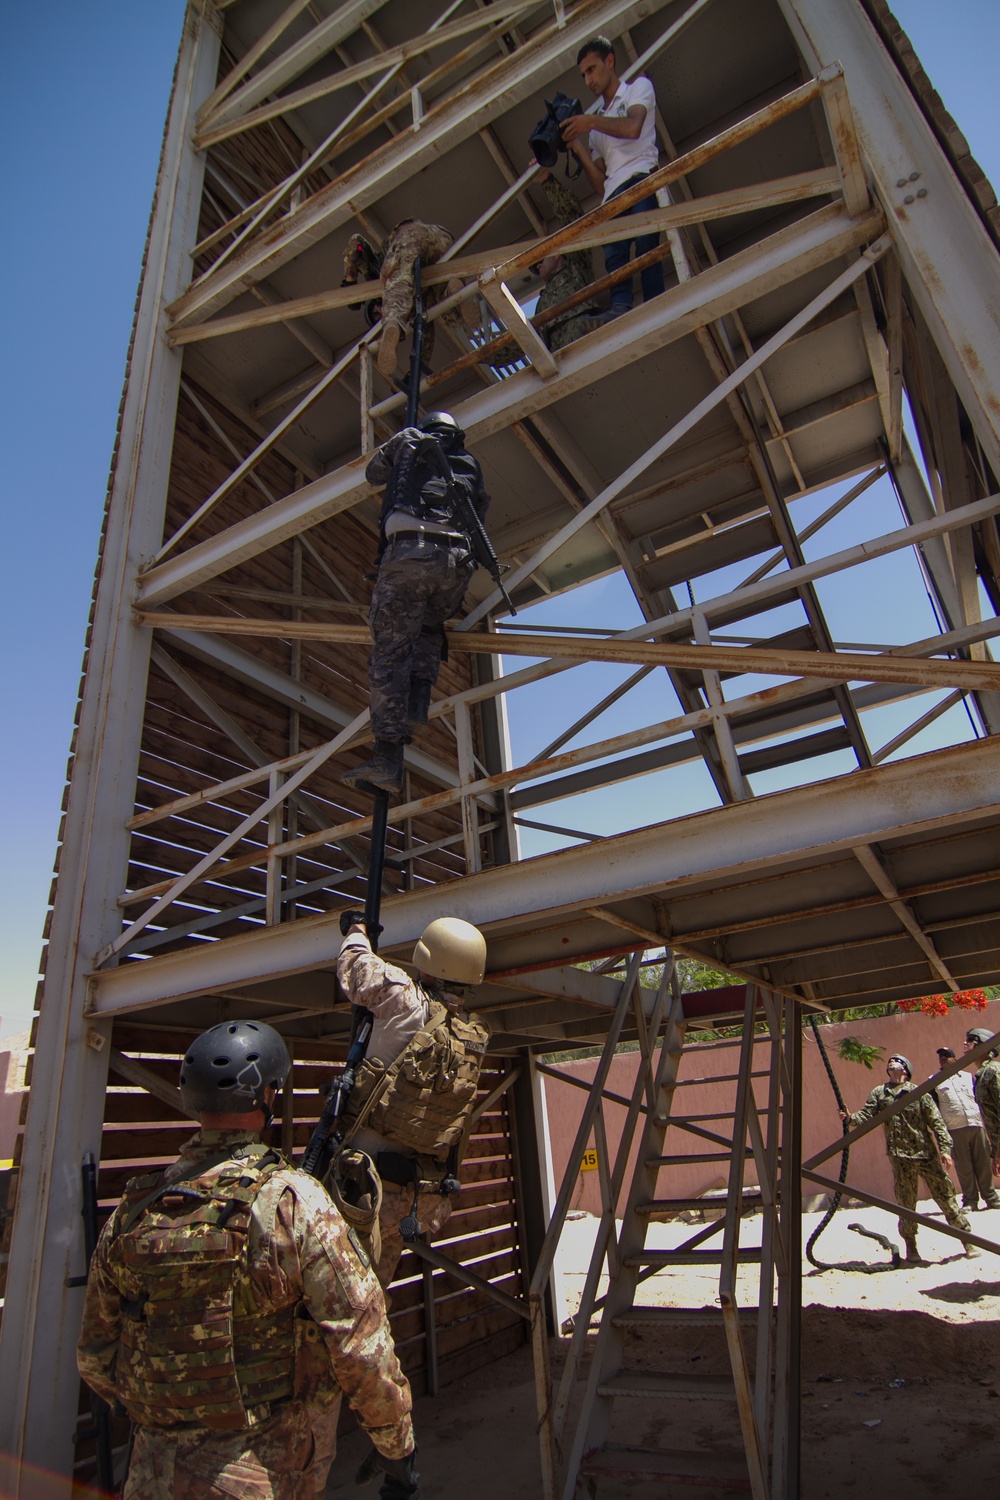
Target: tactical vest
422	1100
416	487
200	1343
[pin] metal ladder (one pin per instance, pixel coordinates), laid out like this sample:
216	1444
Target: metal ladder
755	1136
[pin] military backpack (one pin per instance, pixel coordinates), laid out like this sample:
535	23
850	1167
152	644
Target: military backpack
423	1099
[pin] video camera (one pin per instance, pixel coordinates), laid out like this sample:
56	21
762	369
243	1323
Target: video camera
546	139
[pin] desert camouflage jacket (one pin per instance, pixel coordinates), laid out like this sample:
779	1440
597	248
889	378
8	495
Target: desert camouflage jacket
307	1255
912	1133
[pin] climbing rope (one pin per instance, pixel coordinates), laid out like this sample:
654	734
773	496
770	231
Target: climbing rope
845	1156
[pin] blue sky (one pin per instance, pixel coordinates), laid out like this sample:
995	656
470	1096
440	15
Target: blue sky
83	99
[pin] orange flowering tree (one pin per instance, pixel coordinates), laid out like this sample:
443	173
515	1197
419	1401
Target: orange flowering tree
940	1005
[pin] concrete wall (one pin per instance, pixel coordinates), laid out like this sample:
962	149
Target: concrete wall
915	1036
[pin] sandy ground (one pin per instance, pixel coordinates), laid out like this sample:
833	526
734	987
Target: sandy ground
900	1380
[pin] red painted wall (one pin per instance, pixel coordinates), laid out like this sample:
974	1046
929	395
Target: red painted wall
915	1036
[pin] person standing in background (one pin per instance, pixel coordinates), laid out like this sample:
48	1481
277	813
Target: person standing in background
956	1099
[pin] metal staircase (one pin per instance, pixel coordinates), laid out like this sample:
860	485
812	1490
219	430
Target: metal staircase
592	1440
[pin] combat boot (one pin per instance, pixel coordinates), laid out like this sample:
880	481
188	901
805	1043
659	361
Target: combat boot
384	770
912	1256
419	704
386	361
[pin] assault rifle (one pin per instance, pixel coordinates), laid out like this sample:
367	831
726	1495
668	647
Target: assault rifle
327	1133
467	515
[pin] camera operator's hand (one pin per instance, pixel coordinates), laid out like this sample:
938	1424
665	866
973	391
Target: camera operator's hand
576	126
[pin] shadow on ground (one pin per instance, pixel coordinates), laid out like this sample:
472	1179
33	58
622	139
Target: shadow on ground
928	1386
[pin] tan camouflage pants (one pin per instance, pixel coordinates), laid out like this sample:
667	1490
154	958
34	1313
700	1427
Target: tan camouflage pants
414	238
905	1175
286	1458
433	1211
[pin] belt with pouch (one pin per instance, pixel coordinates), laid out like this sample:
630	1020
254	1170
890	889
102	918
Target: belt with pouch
438	538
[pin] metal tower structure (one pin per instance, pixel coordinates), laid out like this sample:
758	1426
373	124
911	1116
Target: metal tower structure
829	248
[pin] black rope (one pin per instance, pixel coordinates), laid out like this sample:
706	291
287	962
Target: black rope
845	1156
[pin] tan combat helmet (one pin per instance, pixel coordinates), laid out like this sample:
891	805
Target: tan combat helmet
451	949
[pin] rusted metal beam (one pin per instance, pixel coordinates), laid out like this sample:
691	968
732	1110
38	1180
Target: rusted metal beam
815	241
485	98
838	666
218	124
881	879
864	262
942	790
729	203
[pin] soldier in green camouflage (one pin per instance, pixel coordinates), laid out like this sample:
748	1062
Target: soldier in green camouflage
987	1086
229	1308
918	1146
565	274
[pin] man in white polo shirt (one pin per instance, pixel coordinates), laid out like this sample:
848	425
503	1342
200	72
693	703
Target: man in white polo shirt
970	1148
622	132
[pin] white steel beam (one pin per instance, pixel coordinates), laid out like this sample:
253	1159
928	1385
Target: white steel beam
943	789
881	879
510	80
949	262
320	40
39	1385
837	666
687	423
802	247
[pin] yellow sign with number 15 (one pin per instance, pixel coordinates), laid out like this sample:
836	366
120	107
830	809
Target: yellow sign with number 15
588	1161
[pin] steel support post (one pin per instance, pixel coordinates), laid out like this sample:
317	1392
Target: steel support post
786	1468
39	1386
945	253
534	1185
917	505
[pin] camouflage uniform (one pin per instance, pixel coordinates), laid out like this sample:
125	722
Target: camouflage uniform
298	1254
988	1099
362	261
394	267
915	1141
423	575
574	271
408	240
401	1007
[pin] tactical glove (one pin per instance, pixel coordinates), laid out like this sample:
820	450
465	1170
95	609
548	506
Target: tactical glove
401	1480
349	919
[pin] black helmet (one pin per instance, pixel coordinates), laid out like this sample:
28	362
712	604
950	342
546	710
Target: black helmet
229	1066
907	1065
442	424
